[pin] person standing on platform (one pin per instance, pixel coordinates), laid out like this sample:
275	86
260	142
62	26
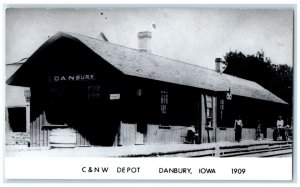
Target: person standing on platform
280	124
238	125
258	130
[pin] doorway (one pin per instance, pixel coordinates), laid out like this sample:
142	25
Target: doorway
17	119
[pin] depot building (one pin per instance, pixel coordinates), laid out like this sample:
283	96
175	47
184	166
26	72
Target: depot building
88	92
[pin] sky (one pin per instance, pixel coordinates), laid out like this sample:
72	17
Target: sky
192	35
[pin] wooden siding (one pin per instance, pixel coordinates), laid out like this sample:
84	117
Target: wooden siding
127	134
81	141
248	134
270	133
225	135
39	137
228	134
139	138
42	135
173	134
116	142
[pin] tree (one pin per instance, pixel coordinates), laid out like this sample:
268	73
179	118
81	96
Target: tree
276	78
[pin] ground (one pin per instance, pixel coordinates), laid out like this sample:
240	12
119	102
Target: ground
125	151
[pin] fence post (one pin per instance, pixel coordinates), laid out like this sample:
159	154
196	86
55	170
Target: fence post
217	150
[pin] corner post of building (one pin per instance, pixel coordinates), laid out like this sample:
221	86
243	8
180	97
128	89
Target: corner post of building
27	95
215	116
204	132
199	126
27	118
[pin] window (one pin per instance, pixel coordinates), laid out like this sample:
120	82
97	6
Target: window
93	92
163	101
209	111
221	108
209	104
139	92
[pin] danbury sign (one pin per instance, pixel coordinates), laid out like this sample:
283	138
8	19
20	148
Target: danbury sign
72	77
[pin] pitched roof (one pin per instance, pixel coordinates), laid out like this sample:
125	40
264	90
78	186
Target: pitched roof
142	64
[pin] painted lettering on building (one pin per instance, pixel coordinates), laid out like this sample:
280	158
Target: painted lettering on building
72	77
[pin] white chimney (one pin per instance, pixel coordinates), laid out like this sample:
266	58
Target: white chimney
144	41
218	64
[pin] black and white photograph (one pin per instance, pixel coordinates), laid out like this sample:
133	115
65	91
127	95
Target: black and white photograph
144	82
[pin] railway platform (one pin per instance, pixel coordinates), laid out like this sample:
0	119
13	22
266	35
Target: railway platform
266	147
